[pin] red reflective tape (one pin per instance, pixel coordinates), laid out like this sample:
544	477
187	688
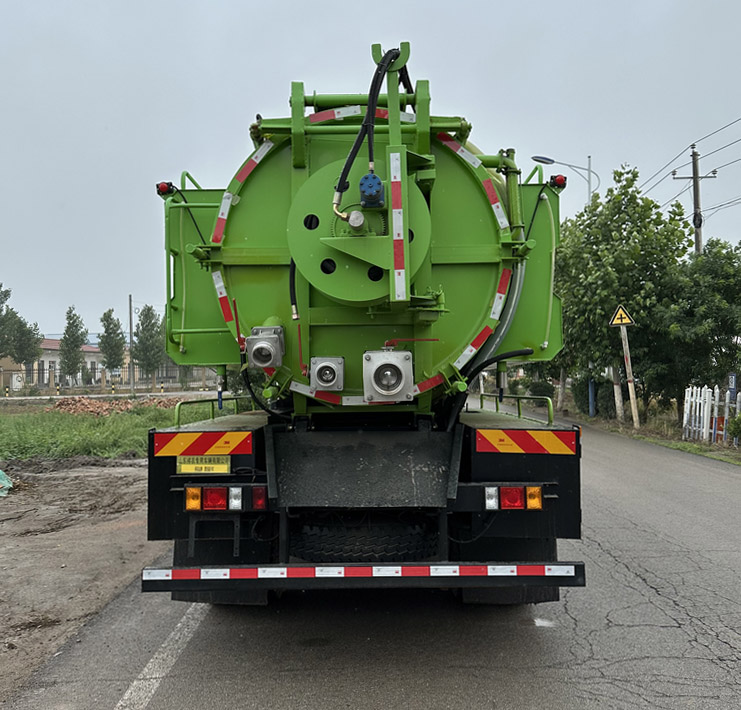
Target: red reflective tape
327	115
226	309
445	138
483	445
328	397
382	113
395	195
473	571
568	438
243	573
219	230
162	440
186	574
491	191
245	170
301	572
416	571
480	339
504	280
531	570
429	384
398	254
522	438
358	571
202	444
269	371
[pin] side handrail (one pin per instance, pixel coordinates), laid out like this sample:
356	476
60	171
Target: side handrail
519	397
211	402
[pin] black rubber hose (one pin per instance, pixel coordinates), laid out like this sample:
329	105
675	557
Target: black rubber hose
292	289
190	212
260	403
460	399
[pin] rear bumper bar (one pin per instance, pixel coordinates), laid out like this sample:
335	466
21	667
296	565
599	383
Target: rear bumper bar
307	576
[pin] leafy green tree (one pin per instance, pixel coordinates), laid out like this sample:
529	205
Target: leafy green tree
148	349
18	339
112	341
71	357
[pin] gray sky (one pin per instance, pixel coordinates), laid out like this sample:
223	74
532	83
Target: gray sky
101	100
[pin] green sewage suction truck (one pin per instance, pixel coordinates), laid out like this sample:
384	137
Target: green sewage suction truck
360	270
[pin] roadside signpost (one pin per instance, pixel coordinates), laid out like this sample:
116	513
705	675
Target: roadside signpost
621	318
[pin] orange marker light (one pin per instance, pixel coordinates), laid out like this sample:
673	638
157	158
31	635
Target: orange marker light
192	498
534	498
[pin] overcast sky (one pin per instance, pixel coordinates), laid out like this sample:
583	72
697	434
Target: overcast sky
101	100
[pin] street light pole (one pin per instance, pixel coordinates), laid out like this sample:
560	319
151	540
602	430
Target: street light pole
545	160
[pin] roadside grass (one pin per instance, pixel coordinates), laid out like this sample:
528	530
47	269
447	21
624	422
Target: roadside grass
51	434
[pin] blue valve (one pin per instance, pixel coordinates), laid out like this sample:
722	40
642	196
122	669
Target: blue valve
371	191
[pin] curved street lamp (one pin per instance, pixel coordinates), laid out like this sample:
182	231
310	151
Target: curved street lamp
577	169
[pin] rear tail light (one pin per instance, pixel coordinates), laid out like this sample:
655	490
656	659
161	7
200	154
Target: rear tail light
235	498
259	497
534	498
192	498
511	498
214	498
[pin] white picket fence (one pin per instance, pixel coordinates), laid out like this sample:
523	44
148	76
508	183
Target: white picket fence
706	416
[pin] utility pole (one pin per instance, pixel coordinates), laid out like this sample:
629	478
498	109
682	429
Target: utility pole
697	211
131	341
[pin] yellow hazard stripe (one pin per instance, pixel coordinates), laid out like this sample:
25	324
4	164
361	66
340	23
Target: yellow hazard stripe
500	441
550	442
227	443
178	444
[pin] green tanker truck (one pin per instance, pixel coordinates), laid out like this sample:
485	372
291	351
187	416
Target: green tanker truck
363	266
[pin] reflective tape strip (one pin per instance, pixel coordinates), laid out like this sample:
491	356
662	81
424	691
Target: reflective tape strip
271	572
456	147
559	571
226	203
214	574
387	571
428	384
156	574
471	350
308	391
404	117
397	228
358	401
301	388
209	443
333	114
221	294
501	295
445	571
254	161
496	205
525	441
501	571
331	397
330	571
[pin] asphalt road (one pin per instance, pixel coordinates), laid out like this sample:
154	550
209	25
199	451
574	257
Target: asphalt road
658	625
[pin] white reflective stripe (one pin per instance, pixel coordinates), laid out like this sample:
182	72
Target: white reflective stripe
395	167
465	356
271	572
407	117
226	203
301	388
496	310
559	571
347	111
219	283
214	574
156	574
353	401
329	571
400	285
501	571
387	571
397	223
469	157
500	215
262	151
445	571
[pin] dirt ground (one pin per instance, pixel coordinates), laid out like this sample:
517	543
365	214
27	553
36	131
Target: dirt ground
72	536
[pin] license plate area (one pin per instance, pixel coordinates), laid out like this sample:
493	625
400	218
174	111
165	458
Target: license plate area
203	464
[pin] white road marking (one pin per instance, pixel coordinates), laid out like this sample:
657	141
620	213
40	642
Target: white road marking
141	690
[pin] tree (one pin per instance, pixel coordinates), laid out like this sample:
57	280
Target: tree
112	341
71	357
148	349
18	340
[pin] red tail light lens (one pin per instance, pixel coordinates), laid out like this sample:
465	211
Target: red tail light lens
215	498
259	497
511	498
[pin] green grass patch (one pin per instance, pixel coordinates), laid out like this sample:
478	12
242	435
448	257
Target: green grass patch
728	455
61	435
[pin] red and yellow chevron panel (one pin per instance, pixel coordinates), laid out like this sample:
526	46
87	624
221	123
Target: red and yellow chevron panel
525	441
203	443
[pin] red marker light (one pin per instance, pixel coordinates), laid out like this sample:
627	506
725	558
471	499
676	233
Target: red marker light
164	188
511	498
259	497
215	498
558	181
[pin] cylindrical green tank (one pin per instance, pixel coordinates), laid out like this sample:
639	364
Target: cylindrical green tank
381	294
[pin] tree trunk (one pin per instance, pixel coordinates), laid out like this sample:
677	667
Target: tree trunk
561	390
619	409
154	381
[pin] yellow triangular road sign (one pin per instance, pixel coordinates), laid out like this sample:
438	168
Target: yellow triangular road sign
621	317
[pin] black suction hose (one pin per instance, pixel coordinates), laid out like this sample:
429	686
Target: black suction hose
460	399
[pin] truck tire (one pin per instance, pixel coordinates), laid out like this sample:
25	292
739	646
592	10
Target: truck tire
518	550
258	597
384	542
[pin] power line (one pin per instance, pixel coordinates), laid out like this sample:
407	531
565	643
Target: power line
681	192
722	128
